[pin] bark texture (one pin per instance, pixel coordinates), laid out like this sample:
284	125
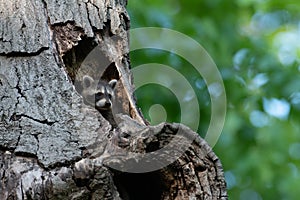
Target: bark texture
52	145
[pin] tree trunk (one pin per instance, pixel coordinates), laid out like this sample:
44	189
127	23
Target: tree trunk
53	146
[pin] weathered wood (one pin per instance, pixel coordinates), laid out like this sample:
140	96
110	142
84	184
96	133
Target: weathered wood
23	27
53	146
185	168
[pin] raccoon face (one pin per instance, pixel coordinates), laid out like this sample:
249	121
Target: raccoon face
98	94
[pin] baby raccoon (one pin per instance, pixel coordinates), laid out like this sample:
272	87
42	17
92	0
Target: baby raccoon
99	95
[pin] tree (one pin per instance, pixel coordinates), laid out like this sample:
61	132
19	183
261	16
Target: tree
53	146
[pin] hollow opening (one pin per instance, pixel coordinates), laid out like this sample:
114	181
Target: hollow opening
74	57
137	186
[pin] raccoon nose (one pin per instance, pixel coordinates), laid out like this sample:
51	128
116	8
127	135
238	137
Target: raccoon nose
107	104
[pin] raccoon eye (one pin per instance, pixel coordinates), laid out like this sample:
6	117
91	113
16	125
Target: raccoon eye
99	94
109	96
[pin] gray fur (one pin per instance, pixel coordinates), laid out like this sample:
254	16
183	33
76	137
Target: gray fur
99	95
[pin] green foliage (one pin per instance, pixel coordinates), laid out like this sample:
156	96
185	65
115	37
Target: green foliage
256	46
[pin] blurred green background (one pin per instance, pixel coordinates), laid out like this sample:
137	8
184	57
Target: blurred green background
256	46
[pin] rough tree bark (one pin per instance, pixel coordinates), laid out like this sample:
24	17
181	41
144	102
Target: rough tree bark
52	146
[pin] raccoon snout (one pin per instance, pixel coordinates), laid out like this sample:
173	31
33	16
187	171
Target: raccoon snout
103	104
107	104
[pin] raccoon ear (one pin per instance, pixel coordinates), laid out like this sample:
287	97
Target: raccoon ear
87	81
112	83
